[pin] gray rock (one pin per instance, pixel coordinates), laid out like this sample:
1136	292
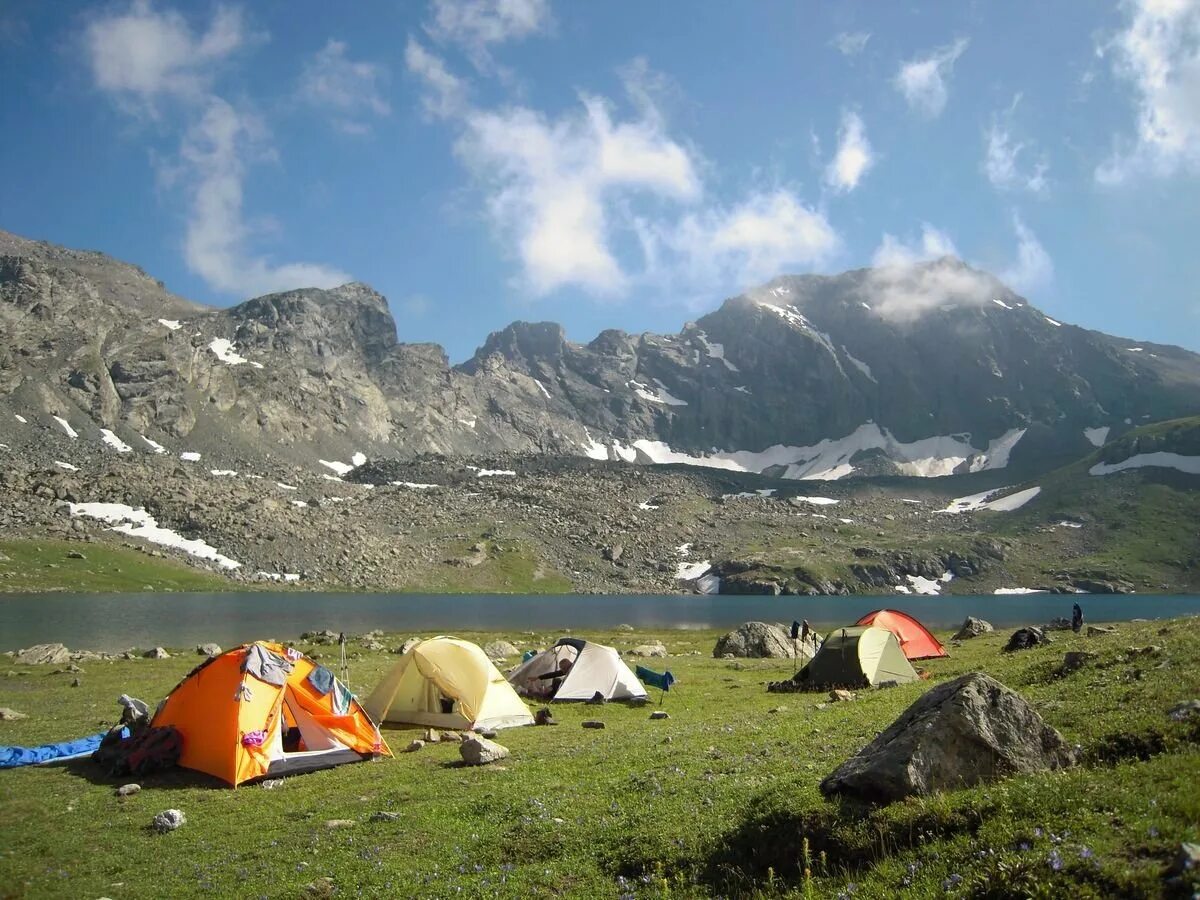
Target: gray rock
168	820
44	654
544	717
157	653
1074	660
340	823
972	627
964	732
500	650
592	723
209	650
761	640
9	715
659	714
128	790
414	746
324	636
1097	630
652	651
479	751
1180	712
385	817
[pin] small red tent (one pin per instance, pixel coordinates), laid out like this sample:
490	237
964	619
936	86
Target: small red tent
915	639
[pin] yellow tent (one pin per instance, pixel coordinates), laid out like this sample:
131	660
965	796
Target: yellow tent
265	709
447	683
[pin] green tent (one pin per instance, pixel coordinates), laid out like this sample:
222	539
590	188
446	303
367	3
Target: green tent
856	657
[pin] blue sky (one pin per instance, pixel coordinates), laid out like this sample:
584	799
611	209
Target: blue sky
613	164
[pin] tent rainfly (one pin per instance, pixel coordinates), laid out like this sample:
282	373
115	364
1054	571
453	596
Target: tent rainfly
595	669
858	656
263	709
447	683
915	639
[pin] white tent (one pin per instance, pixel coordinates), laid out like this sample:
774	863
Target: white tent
595	669
447	683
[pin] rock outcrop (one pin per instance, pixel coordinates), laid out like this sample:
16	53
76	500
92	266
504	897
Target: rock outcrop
972	627
964	732
764	641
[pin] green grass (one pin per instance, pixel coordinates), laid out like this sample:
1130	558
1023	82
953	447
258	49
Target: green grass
719	799
510	567
43	564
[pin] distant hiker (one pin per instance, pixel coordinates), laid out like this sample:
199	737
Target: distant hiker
1076	618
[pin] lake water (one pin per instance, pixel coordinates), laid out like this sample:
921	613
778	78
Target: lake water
119	621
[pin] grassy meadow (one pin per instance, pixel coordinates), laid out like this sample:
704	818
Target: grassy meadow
719	799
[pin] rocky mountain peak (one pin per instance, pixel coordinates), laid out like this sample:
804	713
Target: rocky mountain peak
521	343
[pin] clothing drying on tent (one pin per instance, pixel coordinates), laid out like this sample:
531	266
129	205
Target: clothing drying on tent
447	683
915	639
265	709
595	669
857	657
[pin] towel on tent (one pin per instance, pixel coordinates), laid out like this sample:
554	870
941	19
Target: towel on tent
662	681
14	757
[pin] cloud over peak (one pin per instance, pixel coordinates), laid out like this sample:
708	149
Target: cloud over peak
922	81
351	92
1002	157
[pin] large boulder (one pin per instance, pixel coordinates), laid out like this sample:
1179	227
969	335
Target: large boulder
500	650
964	732
44	654
654	650
763	641
973	627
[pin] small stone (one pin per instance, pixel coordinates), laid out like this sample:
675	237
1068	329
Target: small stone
1096	630
168	820
432	736
75	682
340	823
385	817
592	723
9	715
75	554
479	751
157	653
1180	712
776	709
208	650
128	790
488	733
659	714
414	746
840	695
271	783
649	651
544	717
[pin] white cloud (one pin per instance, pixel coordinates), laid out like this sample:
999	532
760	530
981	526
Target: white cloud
143	54
854	156
213	168
564	191
1159	55
1001	161
476	25
851	43
445	94
141	57
1033	269
923	81
720	249
910	279
350	91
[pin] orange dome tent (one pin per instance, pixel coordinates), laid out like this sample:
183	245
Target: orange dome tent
915	639
265	709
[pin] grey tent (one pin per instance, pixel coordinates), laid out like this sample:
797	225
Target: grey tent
858	656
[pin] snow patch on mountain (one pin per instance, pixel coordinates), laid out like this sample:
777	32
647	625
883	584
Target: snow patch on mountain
1003	504
190	456
829	459
1097	436
716	351
66	426
20	418
66	465
153	445
662	396
858	364
140	524
115	442
340	467
1160	459
170	324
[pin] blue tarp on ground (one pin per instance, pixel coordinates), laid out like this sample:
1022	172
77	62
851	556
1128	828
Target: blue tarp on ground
12	757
